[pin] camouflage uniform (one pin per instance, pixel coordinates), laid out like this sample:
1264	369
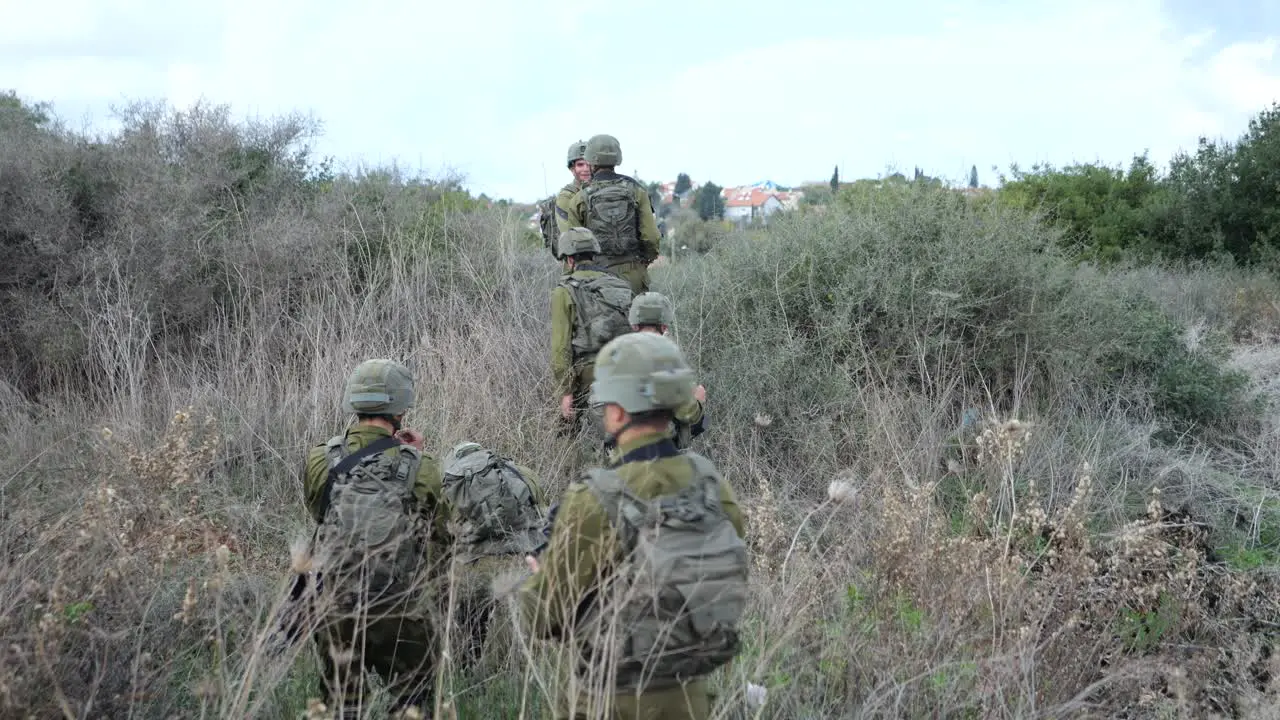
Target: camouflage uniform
396	638
583	551
475	572
604	154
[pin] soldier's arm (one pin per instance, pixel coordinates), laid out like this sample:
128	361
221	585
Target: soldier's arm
561	342
729	501
649	235
314	474
693	417
569	213
428	488
569	568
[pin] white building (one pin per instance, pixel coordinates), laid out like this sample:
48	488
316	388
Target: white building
742	205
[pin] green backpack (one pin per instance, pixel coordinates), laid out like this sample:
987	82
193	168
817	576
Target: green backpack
495	511
371	537
671	612
613	215
602	304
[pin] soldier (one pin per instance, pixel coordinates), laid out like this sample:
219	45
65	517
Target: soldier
639	550
381	536
497	520
651	312
589	308
617	210
557	206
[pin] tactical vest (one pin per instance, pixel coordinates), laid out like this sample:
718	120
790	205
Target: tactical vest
495	512
613	215
670	612
601	305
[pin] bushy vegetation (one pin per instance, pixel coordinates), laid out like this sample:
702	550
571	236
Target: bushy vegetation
187	295
1220	201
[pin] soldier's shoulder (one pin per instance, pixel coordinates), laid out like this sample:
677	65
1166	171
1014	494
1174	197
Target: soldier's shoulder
567	192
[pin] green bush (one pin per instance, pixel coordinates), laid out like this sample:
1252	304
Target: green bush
916	289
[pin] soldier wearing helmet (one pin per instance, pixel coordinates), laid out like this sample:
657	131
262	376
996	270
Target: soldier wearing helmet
375	478
557	206
651	312
618	211
588	309
641	379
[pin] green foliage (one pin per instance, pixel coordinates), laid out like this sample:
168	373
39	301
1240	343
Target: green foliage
709	202
835	180
683	185
175	216
973	176
16	114
1219	201
917	288
1142	630
1104	210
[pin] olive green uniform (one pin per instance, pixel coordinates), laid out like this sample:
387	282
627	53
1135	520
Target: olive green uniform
394	641
635	268
570	374
581	552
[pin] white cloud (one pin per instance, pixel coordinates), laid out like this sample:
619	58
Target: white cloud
497	88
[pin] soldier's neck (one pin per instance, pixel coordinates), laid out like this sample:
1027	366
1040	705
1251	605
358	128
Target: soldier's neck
377	422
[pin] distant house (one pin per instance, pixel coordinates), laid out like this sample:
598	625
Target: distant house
744	204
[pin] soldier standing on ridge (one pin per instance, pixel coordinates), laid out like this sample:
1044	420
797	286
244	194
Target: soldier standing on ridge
617	210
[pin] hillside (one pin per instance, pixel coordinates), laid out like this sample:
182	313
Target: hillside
183	301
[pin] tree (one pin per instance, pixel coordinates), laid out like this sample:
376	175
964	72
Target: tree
683	184
709	202
973	176
655	194
835	180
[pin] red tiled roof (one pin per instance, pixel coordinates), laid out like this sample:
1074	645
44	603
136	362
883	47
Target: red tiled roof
746	197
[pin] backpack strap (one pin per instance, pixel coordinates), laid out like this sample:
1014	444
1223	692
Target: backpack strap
705	473
350	461
625	511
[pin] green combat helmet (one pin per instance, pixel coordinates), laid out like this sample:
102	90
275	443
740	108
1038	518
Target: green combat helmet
577	151
642	372
604	151
379	387
651	308
576	241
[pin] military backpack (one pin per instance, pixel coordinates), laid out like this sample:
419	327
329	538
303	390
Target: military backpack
613	215
547	223
671	611
495	510
602	305
371	537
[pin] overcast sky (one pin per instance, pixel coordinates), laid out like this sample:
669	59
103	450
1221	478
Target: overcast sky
732	91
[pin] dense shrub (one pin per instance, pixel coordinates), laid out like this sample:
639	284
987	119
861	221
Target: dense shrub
917	289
